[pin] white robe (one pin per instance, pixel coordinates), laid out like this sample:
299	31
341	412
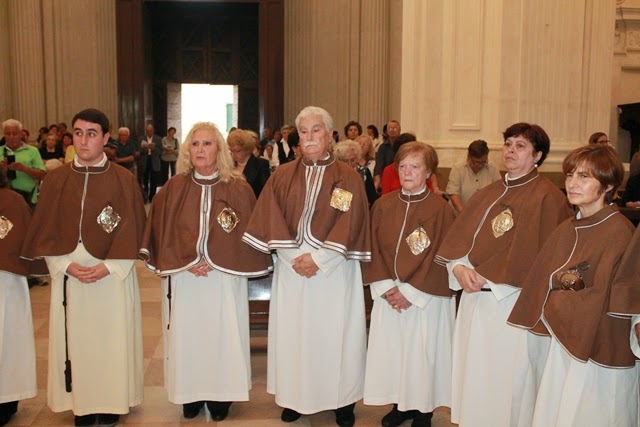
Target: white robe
17	347
207	344
316	343
105	338
496	367
409	356
574	393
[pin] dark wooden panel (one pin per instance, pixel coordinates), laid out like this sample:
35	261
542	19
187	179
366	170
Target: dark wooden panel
130	45
271	63
237	42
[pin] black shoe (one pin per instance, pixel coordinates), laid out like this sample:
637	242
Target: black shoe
422	419
191	410
108	420
7	410
84	420
289	415
219	410
394	418
345	416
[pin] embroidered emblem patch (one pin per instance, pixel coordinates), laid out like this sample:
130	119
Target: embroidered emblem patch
571	279
5	226
228	219
418	241
108	219
341	199
502	223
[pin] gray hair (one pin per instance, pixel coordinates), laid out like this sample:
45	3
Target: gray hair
124	129
11	122
315	111
341	150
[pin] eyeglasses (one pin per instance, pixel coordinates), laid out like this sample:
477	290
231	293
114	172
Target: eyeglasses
478	162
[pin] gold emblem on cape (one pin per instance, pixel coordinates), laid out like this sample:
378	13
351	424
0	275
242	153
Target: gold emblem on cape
341	199
502	223
228	219
418	241
5	226
108	219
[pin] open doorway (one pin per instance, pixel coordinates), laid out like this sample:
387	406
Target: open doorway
188	104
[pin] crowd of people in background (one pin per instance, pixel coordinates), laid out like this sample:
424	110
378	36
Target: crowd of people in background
546	331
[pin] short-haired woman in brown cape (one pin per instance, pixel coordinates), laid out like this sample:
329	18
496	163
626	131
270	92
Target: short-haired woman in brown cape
590	376
489	251
410	339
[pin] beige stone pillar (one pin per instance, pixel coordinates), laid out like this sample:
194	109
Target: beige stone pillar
6	100
26	65
470	68
80	57
336	58
374	56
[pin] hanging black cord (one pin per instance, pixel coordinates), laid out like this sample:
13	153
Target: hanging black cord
67	362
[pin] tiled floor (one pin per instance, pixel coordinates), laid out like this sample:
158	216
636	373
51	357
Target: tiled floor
156	410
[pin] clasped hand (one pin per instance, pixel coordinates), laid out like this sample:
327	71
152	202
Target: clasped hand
304	265
201	269
87	274
469	279
396	300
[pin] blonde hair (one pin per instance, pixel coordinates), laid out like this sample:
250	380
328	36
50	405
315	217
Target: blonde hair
244	139
224	162
372	150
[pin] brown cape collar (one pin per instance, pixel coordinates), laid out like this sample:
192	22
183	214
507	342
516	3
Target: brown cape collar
322	162
412	198
90	169
524	179
602	215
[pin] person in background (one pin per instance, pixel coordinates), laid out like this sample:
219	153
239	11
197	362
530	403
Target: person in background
349	152
126	151
368	157
88	227
590	375
22	162
598	138
170	145
373	133
471	175
255	170
51	149
352	130
150	151
193	239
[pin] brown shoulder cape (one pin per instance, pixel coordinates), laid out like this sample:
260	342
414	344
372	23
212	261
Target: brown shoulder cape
296	189
537	206
179	234
15	214
578	319
625	291
389	230
61	213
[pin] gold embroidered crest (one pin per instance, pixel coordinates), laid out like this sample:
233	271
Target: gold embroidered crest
502	223
418	241
108	219
341	199
228	219
5	226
